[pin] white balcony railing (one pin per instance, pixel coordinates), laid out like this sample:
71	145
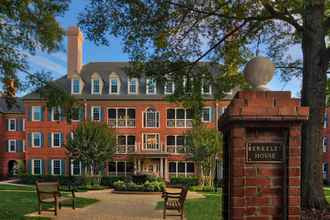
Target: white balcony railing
179	123
121	123
124	149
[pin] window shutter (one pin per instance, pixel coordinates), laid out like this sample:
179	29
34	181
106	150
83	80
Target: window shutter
42	113
7	121
30	167
19	146
19	124
62	140
29	140
81	114
7	148
49	139
42	167
49	114
42	140
62	167
30	113
49	167
101	114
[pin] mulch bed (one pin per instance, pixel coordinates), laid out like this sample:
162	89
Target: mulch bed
314	214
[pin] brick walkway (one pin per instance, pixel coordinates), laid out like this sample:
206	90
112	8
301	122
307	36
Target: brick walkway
115	207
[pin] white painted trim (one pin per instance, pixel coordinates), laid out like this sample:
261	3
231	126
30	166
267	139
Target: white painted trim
9	128
92	86
173	88
148	133
32	166
53	139
52	168
32	139
129	85
118	85
147	86
9	144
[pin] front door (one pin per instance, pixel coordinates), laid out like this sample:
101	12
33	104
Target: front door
151	166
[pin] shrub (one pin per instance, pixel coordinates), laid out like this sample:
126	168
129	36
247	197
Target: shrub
109	180
120	185
142	178
184	181
149	186
203	189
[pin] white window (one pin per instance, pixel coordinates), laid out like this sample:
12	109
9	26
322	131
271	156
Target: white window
179	118
96	113
133	86
114	86
325	120
151	87
11	145
12	124
151	141
36	113
76	114
36	167
206	114
56	139
151	118
179	168
56	113
75	86
96	89
56	167
325	143
76	167
206	89
36	139
169	87
121	117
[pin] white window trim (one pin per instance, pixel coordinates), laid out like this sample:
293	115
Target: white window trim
116	108
136	84
33	110
23	145
175	142
206	93
173	89
52	163
72	90
147	87
9	128
23	125
92	111
32	166
118	85
9	144
53	139
185	117
185	167
32	139
146	149
80	168
210	114
92	87
53	113
143	114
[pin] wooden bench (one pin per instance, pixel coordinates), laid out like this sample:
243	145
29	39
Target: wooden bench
49	193
174	201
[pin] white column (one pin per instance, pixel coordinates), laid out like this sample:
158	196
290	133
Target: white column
166	170
161	167
135	166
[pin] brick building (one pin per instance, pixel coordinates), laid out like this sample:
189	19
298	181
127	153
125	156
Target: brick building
150	130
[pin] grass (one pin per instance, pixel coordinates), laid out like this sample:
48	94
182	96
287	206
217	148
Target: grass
202	208
17	201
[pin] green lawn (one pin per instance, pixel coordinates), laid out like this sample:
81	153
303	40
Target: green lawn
200	209
17	201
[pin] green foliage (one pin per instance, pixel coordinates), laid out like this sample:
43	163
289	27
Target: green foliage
203	189
92	143
25	27
109	180
148	186
205	144
184	181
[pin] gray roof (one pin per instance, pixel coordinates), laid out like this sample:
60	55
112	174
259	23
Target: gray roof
14	108
104	69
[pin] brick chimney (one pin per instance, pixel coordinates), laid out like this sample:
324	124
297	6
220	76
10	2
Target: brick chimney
74	53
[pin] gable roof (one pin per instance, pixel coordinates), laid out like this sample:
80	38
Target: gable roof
15	108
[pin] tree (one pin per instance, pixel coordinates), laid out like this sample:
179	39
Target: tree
167	33
205	144
93	144
26	27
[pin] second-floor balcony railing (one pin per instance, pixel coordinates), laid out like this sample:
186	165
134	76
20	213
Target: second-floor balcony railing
176	149
125	149
179	123
121	123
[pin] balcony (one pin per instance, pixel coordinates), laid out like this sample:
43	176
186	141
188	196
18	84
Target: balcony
125	149
161	148
179	123
176	149
121	123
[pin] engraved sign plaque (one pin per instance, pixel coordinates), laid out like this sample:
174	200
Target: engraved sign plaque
264	152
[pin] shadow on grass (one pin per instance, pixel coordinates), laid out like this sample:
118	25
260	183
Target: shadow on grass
202	208
20	201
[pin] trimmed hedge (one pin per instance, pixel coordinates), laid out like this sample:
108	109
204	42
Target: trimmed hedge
184	181
153	186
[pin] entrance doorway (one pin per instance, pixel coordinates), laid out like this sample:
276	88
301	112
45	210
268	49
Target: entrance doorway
151	166
12	168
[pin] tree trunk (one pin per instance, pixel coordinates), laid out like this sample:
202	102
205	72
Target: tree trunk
313	95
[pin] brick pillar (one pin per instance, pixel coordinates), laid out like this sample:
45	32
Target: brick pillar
262	132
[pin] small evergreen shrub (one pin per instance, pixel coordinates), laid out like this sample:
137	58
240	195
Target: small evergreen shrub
184	181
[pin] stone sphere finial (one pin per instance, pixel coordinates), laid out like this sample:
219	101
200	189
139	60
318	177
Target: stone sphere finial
258	72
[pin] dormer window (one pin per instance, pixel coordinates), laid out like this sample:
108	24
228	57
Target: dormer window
206	89
151	87
96	86
169	87
133	86
75	86
114	88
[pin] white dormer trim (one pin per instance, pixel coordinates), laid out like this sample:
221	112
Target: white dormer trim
114	76
165	88
81	84
96	77
147	87
129	85
206	93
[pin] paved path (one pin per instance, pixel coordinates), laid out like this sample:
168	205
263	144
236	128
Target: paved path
115	207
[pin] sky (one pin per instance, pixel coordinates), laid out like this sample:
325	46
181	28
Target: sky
56	62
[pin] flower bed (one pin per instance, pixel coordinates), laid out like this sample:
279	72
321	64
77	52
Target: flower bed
148	186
